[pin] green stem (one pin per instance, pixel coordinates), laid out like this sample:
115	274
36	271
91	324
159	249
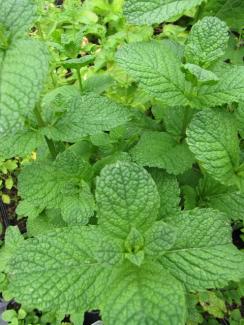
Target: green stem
41	124
79	78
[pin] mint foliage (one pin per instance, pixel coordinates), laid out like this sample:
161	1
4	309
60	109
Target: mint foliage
20	81
121	148
156	11
128	246
207	41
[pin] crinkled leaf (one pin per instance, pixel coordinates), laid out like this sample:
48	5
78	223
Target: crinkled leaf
87	115
156	11
169	193
20	143
159	238
41	185
50	184
23	69
159	149
225	199
16	15
45	222
78	207
203	255
145	295
13	239
126	197
207	41
70	264
212	137
231	11
230	88
157	68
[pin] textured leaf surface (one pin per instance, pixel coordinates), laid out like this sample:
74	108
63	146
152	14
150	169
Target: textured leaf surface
53	272
87	115
159	238
126	197
23	69
157	68
21	143
46	192
231	203
142	296
222	198
13	239
59	182
231	11
207	41
156	11
169	193
212	137
202	75
159	149
230	88
203	255
175	119
79	207
16	15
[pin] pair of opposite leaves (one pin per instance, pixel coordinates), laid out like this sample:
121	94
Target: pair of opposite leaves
132	265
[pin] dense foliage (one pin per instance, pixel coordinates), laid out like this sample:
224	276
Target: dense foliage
121	132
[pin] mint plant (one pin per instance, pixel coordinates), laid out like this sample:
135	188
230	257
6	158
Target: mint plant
131	169
132	260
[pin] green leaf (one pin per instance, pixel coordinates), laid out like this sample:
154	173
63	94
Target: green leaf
134	241
71	271
203	255
212	137
78	207
207	41
16	15
202	75
21	81
157	67
156	11
230	87
159	149
159	238
225	199
20	143
239	114
87	115
169	193
126	197
13	239
58	184
44	222
175	119
139	296
228	10
78	63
